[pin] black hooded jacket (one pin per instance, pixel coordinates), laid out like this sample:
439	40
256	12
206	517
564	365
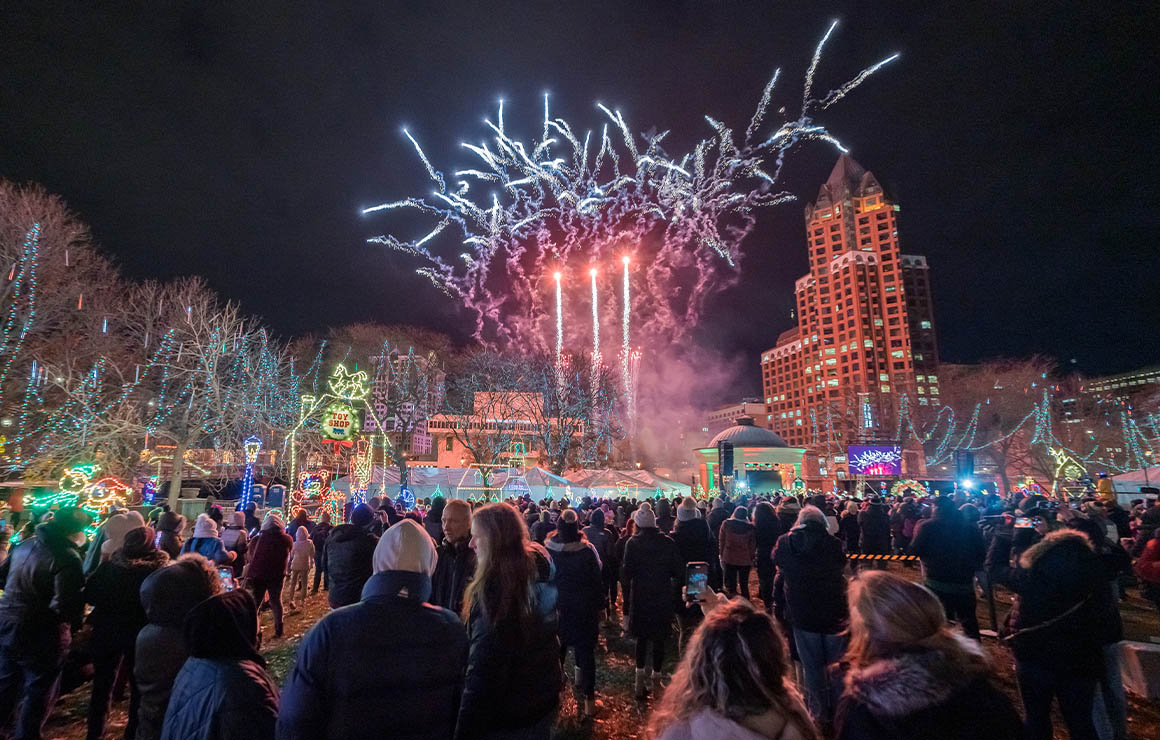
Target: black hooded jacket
44	585
349	551
811	564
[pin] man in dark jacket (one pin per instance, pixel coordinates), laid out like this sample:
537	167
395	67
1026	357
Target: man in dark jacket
168	538
42	603
167	596
651	572
810	562
266	571
456	563
341	688
223	691
349	549
952	550
604	540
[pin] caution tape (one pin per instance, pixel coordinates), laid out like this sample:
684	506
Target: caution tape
856	556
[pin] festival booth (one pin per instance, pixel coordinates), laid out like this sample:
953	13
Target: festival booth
1136	484
634	484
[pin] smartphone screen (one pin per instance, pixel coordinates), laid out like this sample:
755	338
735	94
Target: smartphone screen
227	578
1023	522
696	579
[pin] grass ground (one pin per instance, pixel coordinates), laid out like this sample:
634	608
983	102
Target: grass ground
619	715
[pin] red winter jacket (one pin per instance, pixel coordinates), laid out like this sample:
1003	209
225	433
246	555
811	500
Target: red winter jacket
737	542
1148	566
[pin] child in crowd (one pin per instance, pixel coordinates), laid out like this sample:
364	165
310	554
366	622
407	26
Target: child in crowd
301	556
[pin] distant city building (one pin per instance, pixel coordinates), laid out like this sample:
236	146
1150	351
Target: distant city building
865	333
726	416
1124	385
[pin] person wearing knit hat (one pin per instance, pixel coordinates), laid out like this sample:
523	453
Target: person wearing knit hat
266	571
428	645
644	517
651	572
687	510
207	543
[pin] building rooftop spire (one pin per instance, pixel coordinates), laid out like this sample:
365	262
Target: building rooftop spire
847	173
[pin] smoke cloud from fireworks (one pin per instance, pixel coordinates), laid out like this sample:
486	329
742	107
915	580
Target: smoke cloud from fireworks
568	201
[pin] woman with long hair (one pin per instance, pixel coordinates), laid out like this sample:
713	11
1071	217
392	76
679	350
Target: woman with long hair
513	667
732	682
911	675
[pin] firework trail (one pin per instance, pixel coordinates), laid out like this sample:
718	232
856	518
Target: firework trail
559	331
579	198
595	335
626	307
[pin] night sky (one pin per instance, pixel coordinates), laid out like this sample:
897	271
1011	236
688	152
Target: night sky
238	141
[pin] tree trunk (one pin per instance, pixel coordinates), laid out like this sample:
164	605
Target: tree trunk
175	477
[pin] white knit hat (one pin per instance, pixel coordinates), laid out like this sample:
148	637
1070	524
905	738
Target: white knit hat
644	517
204	526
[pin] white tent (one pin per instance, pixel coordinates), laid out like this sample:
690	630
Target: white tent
637	484
1129	485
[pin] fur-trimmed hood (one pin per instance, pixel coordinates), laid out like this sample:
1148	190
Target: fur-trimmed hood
1063	538
914	681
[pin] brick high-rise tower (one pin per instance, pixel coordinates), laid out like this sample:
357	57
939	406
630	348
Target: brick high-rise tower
865	333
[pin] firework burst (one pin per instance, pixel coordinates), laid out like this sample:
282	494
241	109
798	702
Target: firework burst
574	200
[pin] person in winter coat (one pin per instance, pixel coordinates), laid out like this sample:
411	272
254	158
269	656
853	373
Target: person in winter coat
717	516
427	645
349	552
695	544
652	572
318	537
581	599
301	556
301	519
811	563
766	532
1110	712
664	514
92	556
235	540
42	603
911	676
951	550
223	691
167	595
266	571
168	538
118	526
513	678
626	534
456	564
604	540
737	546
874	522
207	543
1056	628
433	521
731	683
902	524
114	591
848	530
544	527
253	523
787	514
1148	570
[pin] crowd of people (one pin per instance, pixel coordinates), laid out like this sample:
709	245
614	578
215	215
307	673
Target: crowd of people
465	613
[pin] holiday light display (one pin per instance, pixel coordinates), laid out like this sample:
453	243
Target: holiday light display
251	447
361	471
688	214
900	488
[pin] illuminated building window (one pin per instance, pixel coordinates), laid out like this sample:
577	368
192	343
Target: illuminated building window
885	388
867	343
883	376
920	378
897	353
921	390
924	324
877	322
918	356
